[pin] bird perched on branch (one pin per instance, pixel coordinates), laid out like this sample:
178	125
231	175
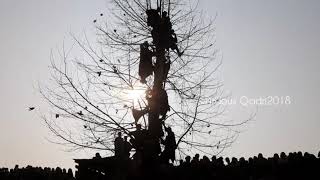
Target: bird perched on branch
114	69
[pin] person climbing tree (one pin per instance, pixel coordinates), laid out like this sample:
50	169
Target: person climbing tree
145	64
169	146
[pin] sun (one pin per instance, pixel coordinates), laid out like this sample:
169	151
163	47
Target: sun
136	94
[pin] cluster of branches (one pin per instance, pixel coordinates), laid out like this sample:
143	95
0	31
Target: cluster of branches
89	96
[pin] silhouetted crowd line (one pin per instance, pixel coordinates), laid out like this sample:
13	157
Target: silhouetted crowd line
36	173
295	165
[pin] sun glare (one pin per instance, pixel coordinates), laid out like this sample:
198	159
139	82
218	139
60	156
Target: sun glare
136	94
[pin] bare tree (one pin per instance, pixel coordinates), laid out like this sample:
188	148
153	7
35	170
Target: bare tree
95	91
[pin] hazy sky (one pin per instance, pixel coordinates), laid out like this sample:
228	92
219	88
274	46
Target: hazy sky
269	48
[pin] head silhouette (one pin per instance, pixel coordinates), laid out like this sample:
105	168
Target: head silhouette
276	157
98	155
213	158
227	160
197	156
138	126
188	159
164	14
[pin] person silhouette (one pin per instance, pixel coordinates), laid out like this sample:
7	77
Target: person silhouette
169	146
126	148
98	156
188	160
118	146
137	140
169	36
153	17
145	64
163	103
139	137
173	40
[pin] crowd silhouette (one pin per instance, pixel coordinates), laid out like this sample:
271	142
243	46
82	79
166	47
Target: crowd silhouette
295	165
36	173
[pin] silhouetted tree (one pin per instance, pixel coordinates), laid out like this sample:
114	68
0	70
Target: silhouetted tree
95	92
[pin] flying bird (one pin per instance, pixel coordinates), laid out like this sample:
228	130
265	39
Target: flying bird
101	14
115	30
99	73
94	21
31	108
101	60
57	115
80	113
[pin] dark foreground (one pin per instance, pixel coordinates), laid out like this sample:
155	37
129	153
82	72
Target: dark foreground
292	166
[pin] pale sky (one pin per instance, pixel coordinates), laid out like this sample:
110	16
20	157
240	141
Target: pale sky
269	48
